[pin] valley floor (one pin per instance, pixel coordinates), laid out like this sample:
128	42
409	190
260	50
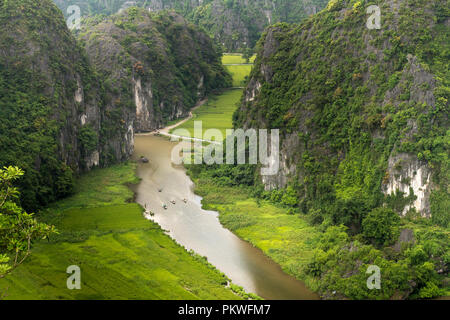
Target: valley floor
238	67
216	113
124	256
121	254
292	242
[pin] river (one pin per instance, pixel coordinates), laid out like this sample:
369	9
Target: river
200	230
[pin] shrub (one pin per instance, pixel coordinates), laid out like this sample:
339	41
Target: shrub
380	227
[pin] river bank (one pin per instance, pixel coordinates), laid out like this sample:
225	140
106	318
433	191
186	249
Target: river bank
163	189
286	239
328	259
121	254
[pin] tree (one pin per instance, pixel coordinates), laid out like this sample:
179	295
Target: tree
18	229
248	53
289	198
380	226
350	212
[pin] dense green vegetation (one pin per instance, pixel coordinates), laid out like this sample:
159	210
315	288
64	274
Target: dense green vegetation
351	109
234	24
121	254
352	98
329	259
348	100
36	96
18	229
174	63
64	112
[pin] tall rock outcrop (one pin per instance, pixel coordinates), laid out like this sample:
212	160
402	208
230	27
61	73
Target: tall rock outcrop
50	101
236	25
61	115
363	112
155	67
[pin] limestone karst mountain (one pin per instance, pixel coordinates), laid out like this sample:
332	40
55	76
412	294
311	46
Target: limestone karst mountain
363	113
64	111
234	24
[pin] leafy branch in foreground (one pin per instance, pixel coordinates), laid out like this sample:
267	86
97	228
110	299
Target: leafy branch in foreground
18	229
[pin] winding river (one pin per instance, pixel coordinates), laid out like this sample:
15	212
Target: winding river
200	230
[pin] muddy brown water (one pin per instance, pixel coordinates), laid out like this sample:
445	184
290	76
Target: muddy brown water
200	230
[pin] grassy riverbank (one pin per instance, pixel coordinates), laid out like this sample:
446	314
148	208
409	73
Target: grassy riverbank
286	239
121	254
327	259
217	113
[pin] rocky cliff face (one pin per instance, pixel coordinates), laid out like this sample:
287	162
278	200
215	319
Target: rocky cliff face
63	113
364	113
154	67
238	25
408	176
49	98
234	24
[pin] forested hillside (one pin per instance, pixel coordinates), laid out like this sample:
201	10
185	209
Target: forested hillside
363	115
235	24
46	86
360	208
156	63
64	112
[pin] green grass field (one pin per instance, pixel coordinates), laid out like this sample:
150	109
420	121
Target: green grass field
236	58
237	66
217	113
287	239
239	74
121	254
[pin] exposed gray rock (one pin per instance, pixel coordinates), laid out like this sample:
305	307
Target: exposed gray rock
406	173
406	237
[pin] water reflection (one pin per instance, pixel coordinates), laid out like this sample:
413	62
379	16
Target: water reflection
200	230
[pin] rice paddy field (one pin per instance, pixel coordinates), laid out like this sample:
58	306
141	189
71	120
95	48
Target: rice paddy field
238	67
121	254
217	113
236	58
240	74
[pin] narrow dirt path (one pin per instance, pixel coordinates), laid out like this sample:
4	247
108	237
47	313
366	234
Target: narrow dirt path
166	130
